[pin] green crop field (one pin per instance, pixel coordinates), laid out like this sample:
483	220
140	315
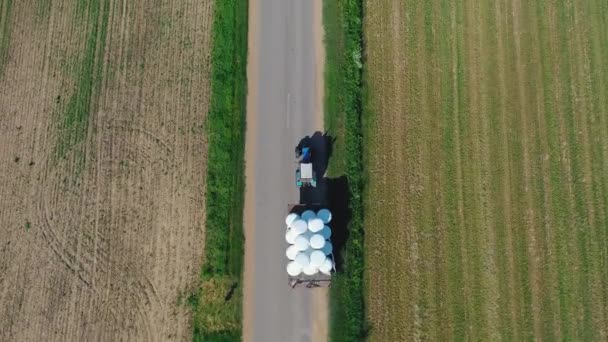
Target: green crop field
486	154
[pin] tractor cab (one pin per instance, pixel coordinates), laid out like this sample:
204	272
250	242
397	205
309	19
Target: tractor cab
305	175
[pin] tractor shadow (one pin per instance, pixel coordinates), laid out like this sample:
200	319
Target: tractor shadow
321	145
332	193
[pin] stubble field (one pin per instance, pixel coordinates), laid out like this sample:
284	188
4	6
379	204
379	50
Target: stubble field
486	136
102	167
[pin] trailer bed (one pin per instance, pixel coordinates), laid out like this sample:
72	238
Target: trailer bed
319	279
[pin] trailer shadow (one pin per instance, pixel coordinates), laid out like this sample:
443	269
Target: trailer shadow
338	203
336	198
321	145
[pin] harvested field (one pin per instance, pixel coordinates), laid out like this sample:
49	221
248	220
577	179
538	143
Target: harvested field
486	134
102	167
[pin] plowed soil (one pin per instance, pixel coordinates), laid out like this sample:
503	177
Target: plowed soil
486	136
102	168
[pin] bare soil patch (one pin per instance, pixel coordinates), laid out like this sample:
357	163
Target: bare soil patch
102	172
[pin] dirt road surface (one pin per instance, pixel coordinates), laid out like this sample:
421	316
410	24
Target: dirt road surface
284	105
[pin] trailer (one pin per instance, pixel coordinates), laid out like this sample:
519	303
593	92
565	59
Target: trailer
323	276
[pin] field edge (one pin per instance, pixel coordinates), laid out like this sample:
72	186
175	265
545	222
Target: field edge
217	304
342	21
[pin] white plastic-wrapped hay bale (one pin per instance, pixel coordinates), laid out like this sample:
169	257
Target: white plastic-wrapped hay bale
294	269
291	252
317	241
317	258
301	243
326	232
310	270
290	236
291	218
325	215
307	234
315	225
328	248
299	226
308	215
302	259
326	267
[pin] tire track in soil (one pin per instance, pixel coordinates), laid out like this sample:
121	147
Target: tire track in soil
548	220
442	209
472	186
529	236
485	181
141	149
459	108
562	147
597	92
510	327
90	261
598	55
406	155
581	88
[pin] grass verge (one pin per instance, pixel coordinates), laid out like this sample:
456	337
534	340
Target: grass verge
343	115
217	303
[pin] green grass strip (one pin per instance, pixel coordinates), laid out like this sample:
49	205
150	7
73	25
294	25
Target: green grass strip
343	30
75	116
334	47
225	180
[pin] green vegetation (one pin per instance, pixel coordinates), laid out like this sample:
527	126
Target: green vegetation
5	31
217	308
343	110
75	115
28	225
485	202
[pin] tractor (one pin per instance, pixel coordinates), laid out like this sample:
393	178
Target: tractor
305	175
